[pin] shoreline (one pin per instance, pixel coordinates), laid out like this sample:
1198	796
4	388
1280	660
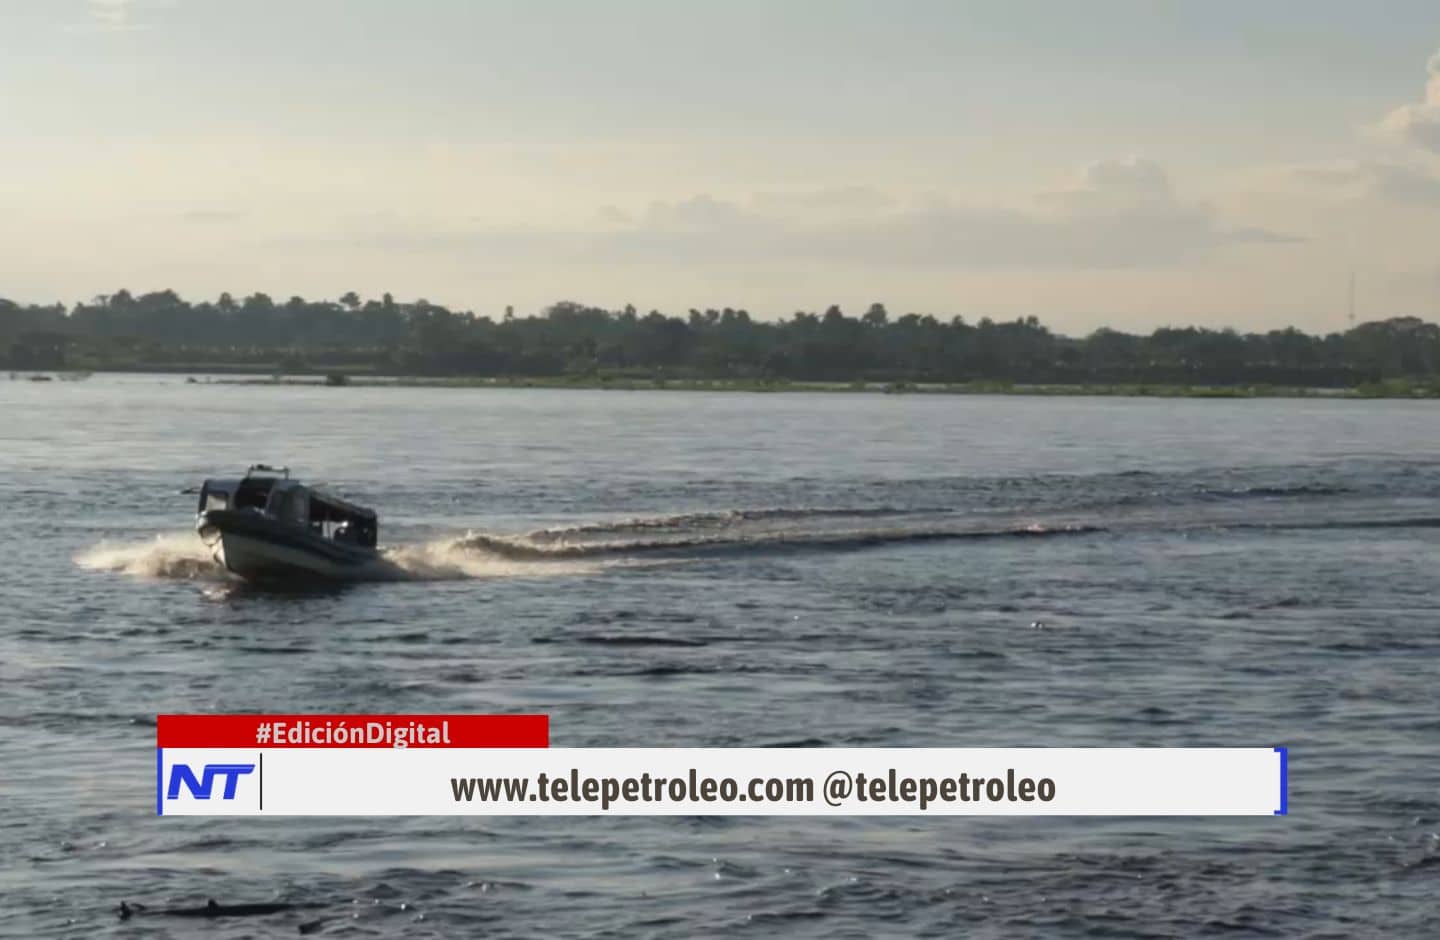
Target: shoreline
223	374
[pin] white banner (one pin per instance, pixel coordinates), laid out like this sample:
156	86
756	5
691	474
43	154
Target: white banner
721	781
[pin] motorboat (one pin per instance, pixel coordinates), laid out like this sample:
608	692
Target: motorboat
268	527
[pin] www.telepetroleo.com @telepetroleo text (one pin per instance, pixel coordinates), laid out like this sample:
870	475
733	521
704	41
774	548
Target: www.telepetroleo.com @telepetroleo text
836	789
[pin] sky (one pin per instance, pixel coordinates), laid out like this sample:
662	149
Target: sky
1108	163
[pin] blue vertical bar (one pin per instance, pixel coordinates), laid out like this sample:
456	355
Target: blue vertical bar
1284	753
159	781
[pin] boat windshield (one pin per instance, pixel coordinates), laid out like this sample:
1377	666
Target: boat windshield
253	494
341	523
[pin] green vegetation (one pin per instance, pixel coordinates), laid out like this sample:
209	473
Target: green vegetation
355	342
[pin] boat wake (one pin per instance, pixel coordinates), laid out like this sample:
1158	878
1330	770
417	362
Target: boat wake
182	556
678	542
178	555
465	558
591	546
588	547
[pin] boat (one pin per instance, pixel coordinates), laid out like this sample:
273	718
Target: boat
268	527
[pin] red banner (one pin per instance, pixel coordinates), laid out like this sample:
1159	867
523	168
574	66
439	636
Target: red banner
392	731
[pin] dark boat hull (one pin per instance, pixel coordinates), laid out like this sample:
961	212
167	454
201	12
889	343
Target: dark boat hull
259	548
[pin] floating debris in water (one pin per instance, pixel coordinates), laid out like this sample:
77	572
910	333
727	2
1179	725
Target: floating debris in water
211	908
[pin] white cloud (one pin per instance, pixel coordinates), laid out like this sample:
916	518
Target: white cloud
614	215
698	213
1120	214
212	216
1419	124
1131	184
1393	183
837	200
1109	185
116	16
110	14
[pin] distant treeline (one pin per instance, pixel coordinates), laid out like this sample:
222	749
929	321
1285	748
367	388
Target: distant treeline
161	331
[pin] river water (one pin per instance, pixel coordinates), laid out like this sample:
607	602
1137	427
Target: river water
678	568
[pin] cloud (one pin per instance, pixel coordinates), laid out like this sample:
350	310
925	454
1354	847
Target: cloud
1130	201
1123	213
835	199
1405	185
212	216
116	16
1129	182
110	14
1392	183
614	215
1249	234
698	213
1419	124
1119	214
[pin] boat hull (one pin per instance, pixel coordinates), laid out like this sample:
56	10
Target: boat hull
258	548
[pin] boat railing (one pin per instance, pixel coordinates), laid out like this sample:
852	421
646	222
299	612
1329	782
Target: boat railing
266	468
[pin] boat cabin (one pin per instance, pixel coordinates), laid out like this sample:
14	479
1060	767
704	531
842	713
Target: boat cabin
270	492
